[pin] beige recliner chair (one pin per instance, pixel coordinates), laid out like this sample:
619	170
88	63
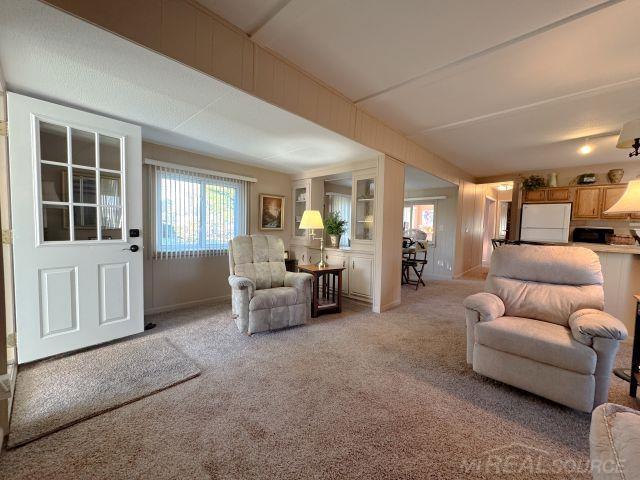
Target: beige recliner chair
540	325
264	295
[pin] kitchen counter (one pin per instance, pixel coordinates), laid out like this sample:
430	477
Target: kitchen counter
602	247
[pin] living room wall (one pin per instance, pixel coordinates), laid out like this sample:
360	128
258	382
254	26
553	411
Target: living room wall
183	281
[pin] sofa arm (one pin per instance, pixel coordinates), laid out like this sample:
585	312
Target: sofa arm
241	283
487	305
297	280
588	323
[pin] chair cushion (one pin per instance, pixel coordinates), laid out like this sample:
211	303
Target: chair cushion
537	340
274	297
259	258
546	282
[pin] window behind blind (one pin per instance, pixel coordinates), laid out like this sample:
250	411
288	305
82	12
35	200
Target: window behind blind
196	213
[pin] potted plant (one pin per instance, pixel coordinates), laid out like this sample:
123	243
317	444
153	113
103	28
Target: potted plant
335	227
533	182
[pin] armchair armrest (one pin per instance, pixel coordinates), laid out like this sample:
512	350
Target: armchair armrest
487	305
588	323
241	283
297	280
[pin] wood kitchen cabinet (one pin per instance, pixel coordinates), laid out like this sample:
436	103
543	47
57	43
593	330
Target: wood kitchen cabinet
611	195
559	194
587	202
539	195
550	194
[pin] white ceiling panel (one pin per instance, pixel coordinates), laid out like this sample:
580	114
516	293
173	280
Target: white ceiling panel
416	179
54	56
240	122
556	63
364	46
248	15
542	137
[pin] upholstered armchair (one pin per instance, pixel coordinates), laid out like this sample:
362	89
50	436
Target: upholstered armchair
540	325
264	295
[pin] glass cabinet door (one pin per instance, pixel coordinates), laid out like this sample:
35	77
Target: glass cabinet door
365	196
299	206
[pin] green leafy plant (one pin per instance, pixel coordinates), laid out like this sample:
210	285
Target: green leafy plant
533	182
334	225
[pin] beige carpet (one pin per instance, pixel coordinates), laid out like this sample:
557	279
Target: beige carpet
348	396
54	394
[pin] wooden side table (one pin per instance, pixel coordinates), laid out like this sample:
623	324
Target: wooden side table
331	299
633	375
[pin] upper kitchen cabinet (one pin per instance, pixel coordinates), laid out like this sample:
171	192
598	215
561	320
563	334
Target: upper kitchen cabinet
587	202
363	206
611	195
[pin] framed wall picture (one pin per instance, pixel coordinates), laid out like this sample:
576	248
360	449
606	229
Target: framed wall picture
271	212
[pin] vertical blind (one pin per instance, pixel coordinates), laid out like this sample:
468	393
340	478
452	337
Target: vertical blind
196	213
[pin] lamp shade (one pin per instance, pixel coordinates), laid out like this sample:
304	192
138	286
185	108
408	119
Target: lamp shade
629	202
630	131
311	219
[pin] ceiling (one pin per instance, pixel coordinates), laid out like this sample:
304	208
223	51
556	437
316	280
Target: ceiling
416	179
53	56
495	86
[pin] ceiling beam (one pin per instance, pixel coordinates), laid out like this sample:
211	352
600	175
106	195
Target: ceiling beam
270	16
492	49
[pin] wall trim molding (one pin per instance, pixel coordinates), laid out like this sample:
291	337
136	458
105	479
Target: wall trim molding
182	306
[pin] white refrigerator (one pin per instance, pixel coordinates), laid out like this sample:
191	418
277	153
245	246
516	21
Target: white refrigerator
545	222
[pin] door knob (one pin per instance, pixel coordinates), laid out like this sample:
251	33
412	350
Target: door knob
133	248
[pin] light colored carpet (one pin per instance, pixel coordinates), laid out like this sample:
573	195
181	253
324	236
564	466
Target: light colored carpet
354	395
56	393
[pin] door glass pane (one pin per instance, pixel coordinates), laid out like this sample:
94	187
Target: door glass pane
83	148
111	223
84	219
54	187
55	223
365	196
53	142
84	186
300	207
109	152
110	191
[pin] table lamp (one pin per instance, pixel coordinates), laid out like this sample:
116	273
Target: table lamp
311	219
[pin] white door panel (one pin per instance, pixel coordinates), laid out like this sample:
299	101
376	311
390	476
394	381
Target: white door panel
76	183
551	215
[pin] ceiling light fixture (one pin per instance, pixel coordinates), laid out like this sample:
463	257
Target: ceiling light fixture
586	149
504	187
630	137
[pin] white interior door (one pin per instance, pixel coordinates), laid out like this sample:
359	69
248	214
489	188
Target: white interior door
76	190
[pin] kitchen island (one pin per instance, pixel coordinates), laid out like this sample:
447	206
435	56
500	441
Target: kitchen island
621	271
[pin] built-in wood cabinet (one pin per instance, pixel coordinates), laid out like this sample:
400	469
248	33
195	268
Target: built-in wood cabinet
301	198
363	208
539	195
339	258
360	275
357	277
587	202
559	194
611	195
552	194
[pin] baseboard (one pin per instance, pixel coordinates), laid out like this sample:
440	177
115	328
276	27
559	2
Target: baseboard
467	271
195	303
390	305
